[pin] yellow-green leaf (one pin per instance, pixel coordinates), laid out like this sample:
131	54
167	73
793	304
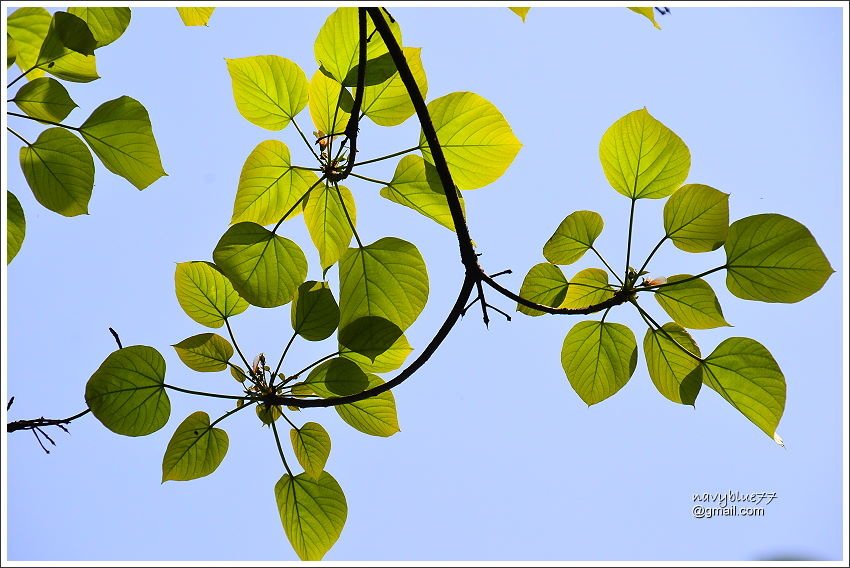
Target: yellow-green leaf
587	288
330	104
388	103
330	214
119	131
375	415
416	185
126	392
642	158
691	304
544	284
312	511
390	360
336	377
773	258
312	446
106	24
521	12
573	237
207	352
648	13
11	50
67	50
696	218
195	16
205	294
477	141
16	226
269	187
60	171
744	373
195	450
315	313
599	358
269	90
266	269
28	27
676	374
45	98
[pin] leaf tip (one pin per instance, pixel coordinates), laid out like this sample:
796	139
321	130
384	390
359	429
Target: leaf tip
778	439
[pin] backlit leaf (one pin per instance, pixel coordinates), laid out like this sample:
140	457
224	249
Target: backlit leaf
126	392
195	450
119	131
587	288
16	226
312	511
45	98
337	377
207	352
642	158
315	313
375	415
573	237
269	90
60	171
696	218
269	187
744	373
477	141
521	12
649	14
312	446
266	269
598	358
675	374
773	258
330	104
388	103
544	284
106	24
205	294
691	304
416	185
68	48
28	27
195	16
329	214
390	360
11	50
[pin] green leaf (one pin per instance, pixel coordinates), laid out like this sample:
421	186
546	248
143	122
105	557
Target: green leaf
598	358
329	214
315	313
544	284
330	104
237	373
126	392
67	33
388	103
119	131
67	51
773	258
269	90
477	141
11	50
60	171
337	377
265	269
649	14
587	288
312	446
642	158
691	304
106	24
375	415
28	27
205	294
195	16
195	450
268	414
16	226
45	98
696	218
312	511
369	335
337	47
743	372
521	12
384	280
573	237
390	360
416	185
269	187
675	374
206	352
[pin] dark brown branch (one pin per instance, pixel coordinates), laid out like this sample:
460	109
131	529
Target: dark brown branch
620	297
38	423
117	339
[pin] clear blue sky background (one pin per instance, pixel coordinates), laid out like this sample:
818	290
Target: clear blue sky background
497	459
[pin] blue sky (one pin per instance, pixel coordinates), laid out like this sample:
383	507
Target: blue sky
497	458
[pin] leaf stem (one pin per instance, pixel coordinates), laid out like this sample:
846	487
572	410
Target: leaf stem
648	319
43	121
388	156
688	279
234	411
629	243
306	168
22	75
307	142
347	216
201	393
608	266
310	366
651	254
373	180
297	203
280	450
235	344
279	363
24	140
